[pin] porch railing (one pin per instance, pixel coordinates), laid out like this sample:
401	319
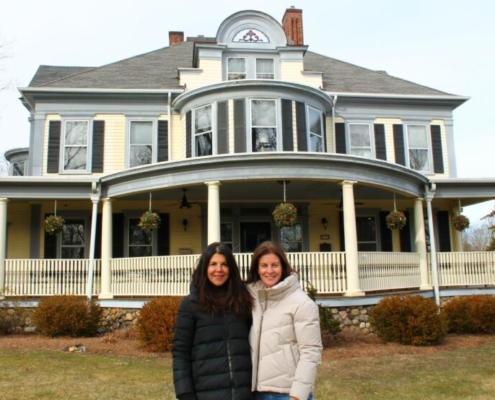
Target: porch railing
170	275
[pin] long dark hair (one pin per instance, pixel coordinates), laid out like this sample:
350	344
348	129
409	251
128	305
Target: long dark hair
235	297
269	248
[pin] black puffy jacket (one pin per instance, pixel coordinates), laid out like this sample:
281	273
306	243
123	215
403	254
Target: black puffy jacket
211	354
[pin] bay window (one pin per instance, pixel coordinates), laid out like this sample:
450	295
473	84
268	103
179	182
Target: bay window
203	131
264	125
315	130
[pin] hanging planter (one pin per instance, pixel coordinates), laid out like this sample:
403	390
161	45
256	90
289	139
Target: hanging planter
460	222
396	220
54	224
150	220
285	214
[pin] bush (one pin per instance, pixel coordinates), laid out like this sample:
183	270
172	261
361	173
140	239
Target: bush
470	314
328	324
156	323
67	316
11	317
411	320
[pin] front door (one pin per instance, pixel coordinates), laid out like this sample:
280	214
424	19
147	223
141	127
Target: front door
254	233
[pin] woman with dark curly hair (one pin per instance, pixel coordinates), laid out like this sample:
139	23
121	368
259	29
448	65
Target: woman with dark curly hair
211	354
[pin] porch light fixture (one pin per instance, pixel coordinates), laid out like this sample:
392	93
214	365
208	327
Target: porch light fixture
184	204
324	222
185	224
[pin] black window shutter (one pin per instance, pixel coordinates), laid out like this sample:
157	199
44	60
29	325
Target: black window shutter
162	141
341	231
98	146
385	233
287	126
239	126
53	146
405	235
188	134
436	142
443	231
380	146
164	236
50	248
98	237
302	135
340	146
223	128
400	156
118	235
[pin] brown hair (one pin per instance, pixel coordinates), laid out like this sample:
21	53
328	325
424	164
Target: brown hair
234	296
269	248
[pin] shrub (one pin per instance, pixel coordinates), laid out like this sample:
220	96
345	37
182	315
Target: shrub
67	316
328	324
156	323
470	314
408	320
11	317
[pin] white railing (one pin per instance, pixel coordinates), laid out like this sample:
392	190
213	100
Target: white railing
48	277
171	275
466	268
388	271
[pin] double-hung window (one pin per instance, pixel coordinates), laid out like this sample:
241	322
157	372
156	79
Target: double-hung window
264	125
139	240
76	136
291	237
236	68
419	153
360	140
366	233
315	130
203	131
141	143
265	68
73	244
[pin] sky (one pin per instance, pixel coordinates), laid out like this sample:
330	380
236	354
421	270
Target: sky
448	45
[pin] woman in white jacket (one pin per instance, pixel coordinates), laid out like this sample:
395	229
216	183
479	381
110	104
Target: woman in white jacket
285	337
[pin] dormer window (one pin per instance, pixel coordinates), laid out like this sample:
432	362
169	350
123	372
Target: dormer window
236	68
265	68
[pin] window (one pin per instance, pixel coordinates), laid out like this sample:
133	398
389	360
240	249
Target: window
236	68
17	168
366	233
203	139
226	233
360	140
265	68
73	239
263	125
315	130
419	154
76	145
141	143
140	241
291	238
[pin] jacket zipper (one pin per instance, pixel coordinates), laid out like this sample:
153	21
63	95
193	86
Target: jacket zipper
263	309
229	355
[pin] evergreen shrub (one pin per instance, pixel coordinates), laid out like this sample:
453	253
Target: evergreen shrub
12	317
156	323
328	324
67	316
470	314
410	320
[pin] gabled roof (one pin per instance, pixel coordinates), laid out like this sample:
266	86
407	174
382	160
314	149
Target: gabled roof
159	70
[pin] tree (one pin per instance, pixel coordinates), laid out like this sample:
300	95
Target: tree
491	228
476	237
4	166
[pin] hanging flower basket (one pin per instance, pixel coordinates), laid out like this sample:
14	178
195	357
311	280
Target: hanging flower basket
285	214
396	220
461	222
149	221
54	224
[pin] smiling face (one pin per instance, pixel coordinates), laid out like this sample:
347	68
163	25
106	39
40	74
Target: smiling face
218	270
270	269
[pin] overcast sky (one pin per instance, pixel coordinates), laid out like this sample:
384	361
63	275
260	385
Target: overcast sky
448	45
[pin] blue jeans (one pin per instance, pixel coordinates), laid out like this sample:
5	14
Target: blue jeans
275	396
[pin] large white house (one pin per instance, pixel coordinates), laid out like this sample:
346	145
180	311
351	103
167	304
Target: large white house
212	134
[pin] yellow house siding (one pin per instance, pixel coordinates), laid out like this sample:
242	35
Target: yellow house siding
321	210
293	71
389	135
208	72
178	137
19	228
329	135
115	142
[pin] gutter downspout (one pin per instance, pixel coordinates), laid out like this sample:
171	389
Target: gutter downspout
95	199
429	194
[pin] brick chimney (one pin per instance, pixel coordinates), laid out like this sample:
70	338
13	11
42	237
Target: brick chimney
292	24
175	37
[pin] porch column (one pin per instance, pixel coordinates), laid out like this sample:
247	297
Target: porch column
213	211
420	243
3	243
95	199
350	237
106	250
429	194
457	234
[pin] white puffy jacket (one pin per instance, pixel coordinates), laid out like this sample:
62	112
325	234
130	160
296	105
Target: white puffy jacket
285	339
